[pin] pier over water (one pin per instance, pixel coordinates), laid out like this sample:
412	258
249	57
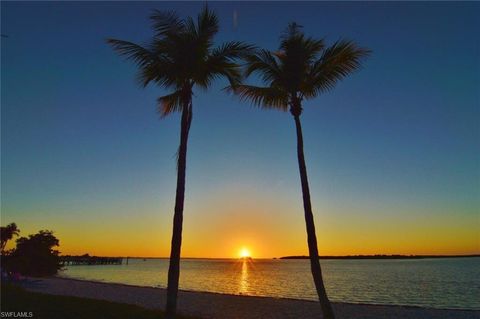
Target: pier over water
90	260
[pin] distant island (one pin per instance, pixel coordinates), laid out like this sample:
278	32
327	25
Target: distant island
382	256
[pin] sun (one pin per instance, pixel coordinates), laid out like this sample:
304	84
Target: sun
245	253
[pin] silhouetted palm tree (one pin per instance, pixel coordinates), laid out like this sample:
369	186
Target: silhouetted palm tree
302	68
7	233
179	57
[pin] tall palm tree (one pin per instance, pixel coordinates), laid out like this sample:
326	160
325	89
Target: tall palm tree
7	233
301	69
181	56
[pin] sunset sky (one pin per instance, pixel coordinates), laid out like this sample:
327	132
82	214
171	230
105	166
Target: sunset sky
393	153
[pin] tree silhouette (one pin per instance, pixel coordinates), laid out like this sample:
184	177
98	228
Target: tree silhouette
180	57
35	256
302	68
7	233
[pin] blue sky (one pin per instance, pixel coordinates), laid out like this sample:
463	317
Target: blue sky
82	144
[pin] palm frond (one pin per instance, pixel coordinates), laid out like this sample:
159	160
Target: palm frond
336	62
214	70
263	62
180	55
153	66
137	53
302	46
207	22
190	28
312	48
295	56
265	97
233	50
170	103
166	23
222	62
154	72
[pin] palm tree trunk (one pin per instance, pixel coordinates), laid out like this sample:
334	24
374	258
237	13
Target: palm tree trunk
174	267
310	225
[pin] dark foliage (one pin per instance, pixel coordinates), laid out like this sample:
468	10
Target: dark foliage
34	256
7	233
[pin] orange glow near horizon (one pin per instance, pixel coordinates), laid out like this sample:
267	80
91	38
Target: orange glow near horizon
266	226
282	237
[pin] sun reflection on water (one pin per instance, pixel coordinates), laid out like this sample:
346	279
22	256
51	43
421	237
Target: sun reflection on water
244	284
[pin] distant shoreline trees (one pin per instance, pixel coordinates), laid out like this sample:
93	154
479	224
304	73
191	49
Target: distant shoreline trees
382	256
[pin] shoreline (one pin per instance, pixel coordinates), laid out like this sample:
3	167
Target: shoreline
196	303
380	257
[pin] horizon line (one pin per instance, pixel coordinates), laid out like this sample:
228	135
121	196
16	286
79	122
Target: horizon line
358	256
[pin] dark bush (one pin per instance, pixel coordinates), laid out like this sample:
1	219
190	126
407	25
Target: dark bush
35	256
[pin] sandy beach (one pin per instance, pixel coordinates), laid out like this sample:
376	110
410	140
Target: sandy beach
223	306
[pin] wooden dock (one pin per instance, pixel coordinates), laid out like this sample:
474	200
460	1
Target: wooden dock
89	260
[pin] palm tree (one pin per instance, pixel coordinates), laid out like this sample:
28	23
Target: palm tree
180	57
302	68
7	233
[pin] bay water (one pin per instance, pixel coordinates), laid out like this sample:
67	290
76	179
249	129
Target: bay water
446	283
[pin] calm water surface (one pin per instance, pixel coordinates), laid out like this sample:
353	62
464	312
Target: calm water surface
438	283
